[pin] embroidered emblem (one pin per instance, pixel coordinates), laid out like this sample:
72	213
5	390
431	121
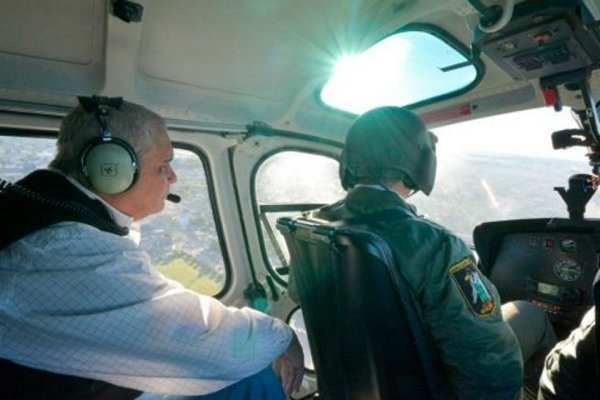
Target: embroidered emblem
474	290
109	169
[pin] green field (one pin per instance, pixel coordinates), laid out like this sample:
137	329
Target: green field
185	273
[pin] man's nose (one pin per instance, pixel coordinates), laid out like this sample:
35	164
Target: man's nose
172	175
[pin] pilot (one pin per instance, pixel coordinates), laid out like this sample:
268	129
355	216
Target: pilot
83	315
572	368
389	155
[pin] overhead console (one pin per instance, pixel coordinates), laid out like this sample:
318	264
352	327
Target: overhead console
550	262
543	38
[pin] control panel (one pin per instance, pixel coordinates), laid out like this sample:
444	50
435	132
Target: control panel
552	269
543	40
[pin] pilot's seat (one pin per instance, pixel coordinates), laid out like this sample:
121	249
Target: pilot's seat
365	333
596	290
597	311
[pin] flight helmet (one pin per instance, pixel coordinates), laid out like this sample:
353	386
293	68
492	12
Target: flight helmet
386	144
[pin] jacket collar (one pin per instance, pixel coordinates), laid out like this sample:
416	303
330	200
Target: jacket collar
368	199
364	200
119	217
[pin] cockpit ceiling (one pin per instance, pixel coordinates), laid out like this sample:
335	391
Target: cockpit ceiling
51	49
215	61
212	62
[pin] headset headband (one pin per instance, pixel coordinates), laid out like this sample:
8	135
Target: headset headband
100	106
96	103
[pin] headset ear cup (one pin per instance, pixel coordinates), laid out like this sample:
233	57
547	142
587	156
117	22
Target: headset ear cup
111	167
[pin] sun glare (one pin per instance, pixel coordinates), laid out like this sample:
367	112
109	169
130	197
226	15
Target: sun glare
402	69
361	82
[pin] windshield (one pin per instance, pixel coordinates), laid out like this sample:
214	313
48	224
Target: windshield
502	167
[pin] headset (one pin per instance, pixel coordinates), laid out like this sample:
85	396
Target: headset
110	164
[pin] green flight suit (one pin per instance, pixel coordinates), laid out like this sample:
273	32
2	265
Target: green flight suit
460	307
570	368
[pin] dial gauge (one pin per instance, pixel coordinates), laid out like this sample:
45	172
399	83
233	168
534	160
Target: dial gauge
568	245
567	270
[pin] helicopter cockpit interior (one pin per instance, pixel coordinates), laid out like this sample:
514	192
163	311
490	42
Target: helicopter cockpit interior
258	97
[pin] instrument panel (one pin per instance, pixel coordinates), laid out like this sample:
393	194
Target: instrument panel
551	264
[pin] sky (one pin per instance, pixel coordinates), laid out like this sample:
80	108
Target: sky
518	133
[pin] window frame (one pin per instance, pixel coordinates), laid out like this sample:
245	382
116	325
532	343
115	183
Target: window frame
272	271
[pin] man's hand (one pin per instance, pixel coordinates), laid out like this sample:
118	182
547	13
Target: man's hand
290	367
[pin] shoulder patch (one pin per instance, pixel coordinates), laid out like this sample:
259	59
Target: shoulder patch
474	289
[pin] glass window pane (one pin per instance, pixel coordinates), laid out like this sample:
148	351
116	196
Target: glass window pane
297	181
21	155
182	240
290	177
502	167
405	68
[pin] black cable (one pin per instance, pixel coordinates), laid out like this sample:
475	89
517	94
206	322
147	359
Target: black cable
100	222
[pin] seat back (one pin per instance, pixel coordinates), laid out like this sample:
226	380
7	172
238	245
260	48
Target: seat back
361	331
597	312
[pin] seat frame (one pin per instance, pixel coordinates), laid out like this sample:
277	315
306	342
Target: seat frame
365	330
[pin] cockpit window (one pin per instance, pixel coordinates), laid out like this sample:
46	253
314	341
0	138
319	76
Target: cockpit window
183	239
411	66
503	167
288	183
